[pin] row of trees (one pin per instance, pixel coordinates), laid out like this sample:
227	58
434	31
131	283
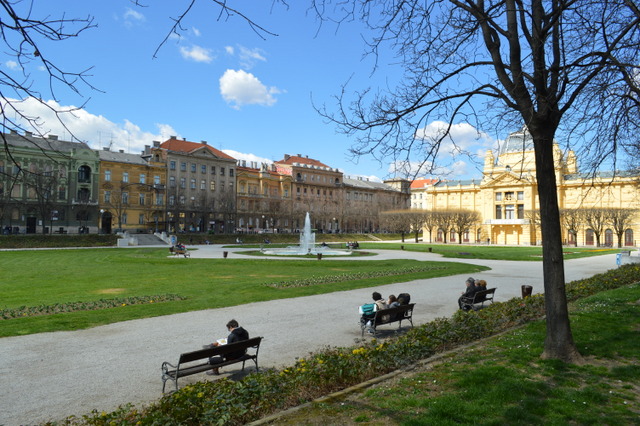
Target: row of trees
458	221
598	220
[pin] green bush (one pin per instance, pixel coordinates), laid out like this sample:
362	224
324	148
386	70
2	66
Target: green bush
55	241
259	394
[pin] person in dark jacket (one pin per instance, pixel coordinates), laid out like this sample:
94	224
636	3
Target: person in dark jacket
471	289
236	334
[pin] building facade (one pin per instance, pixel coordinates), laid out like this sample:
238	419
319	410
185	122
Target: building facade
201	186
48	185
132	192
506	197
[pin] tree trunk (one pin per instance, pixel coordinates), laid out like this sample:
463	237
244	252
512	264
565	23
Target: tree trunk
559	340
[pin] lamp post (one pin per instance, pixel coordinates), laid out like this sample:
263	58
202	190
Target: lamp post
101	230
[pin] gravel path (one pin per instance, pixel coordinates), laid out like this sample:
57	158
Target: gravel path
49	376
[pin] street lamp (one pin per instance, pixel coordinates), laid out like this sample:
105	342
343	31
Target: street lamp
100	224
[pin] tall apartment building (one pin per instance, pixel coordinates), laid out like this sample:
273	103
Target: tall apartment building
264	198
201	190
47	185
132	192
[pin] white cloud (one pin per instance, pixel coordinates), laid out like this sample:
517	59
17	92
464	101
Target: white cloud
95	130
240	88
196	53
247	157
229	50
196	32
131	17
12	65
249	57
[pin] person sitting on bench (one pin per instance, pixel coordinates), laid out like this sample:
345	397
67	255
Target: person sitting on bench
471	289
236	334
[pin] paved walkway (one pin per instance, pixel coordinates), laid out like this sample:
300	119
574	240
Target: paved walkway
49	376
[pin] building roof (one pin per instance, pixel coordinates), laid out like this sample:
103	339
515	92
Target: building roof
50	143
177	145
122	157
295	160
423	183
519	141
368	184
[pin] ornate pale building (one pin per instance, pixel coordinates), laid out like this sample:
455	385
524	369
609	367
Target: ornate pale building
506	197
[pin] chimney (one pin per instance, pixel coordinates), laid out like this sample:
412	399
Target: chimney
28	134
105	148
121	151
299	155
204	142
173	137
53	137
156	144
286	157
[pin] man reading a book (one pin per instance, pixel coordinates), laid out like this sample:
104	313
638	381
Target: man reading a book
236	334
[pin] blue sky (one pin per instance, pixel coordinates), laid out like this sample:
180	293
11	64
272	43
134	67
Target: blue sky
219	81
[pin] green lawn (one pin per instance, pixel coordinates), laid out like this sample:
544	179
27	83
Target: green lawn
463	251
48	277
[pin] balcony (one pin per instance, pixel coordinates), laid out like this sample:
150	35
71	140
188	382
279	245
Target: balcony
507	222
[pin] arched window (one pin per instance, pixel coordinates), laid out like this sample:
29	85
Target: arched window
628	237
589	237
84	174
439	236
608	238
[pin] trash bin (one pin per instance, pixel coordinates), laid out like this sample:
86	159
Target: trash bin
319	256
618	259
526	290
430	249
225	254
401	247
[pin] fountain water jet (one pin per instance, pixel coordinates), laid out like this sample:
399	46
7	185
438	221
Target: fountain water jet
307	244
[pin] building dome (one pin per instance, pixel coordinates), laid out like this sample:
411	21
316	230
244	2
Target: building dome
520	141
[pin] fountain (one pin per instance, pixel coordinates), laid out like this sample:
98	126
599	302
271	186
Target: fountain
307	244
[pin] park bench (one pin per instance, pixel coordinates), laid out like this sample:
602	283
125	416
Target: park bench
198	361
176	251
389	316
478	298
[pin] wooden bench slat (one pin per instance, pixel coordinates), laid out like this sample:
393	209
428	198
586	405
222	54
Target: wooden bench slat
389	316
479	297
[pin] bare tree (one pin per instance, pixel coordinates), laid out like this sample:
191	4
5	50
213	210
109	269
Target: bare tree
552	65
572	219
596	219
620	220
463	220
396	221
27	35
445	222
43	185
429	223
534	220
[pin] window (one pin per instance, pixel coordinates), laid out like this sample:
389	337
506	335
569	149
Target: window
213	170
156	180
62	193
231	172
125	198
172	200
193	184
141	219
124	218
172	181
520	195
203	184
286	193
182	199
520	211
221	171
107	175
498	212
509	211
183	166
203	169
498	196
172	165
107	196
193	167
212	185
125	177
141	199
143	178
508	196
183	183
84	174
159	199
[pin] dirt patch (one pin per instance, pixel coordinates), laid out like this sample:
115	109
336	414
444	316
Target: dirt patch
111	291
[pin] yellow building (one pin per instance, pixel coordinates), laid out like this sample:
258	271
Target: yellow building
132	192
506	198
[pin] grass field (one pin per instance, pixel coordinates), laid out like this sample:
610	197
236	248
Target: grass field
48	277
